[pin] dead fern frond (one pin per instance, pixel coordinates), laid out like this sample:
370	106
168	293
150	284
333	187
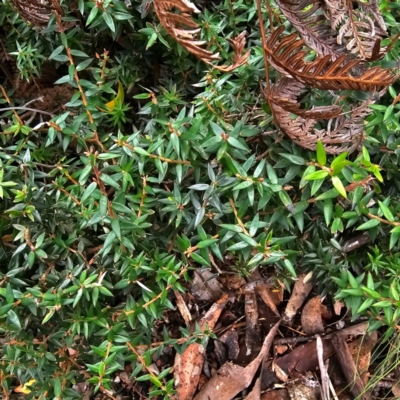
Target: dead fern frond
285	95
307	17
37	12
344	133
185	31
359	28
287	55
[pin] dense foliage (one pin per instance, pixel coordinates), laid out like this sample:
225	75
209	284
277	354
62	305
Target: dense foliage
158	164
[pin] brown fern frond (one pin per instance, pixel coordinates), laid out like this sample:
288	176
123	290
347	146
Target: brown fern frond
287	54
186	31
344	133
308	19
360	28
37	12
285	94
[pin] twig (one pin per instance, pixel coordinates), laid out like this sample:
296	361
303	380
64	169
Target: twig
237	217
332	389
27	109
324	374
384	221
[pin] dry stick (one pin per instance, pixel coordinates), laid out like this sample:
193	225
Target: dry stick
349	368
27	109
324	374
264	42
237	217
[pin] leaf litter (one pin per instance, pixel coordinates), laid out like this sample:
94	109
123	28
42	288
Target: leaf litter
266	344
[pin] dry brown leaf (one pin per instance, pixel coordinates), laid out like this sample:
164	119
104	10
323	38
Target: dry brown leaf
183	308
281	394
189	364
231	379
267	298
205	287
311	319
279	372
299	294
231	339
361	350
280	348
337	307
256	392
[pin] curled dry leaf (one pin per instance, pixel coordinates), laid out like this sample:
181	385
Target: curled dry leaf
231	379
279	372
302	359
299	294
253	337
267	297
186	32
337	307
189	364
183	308
311	317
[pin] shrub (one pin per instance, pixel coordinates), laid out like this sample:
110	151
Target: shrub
158	164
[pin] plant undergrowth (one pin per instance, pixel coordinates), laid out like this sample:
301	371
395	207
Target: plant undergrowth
156	165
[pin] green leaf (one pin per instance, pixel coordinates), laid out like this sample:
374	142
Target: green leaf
109	21
78	53
386	211
141	151
243	185
293	159
13	319
238	246
206	243
321	155
339	160
337	183
316	175
368	225
92	15
388	112
230	227
88	191
237	143
285	198
152	40
384	303
289	266
330	194
196	257
56	52
328	211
